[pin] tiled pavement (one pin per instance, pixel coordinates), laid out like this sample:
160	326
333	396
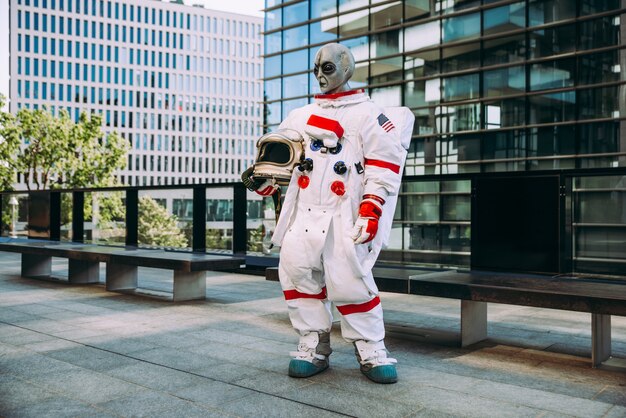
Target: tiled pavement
80	351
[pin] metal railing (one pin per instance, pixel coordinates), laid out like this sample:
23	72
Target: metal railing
434	223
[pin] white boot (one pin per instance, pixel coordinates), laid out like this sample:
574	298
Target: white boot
375	364
312	355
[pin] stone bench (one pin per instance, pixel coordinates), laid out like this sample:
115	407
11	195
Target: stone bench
122	263
475	289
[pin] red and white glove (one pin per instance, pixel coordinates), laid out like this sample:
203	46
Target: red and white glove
267	188
366	225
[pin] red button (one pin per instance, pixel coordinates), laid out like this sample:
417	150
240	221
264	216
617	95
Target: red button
303	182
338	188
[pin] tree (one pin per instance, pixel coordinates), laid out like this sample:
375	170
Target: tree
157	226
55	152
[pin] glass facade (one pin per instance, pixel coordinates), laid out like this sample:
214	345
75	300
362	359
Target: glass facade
496	86
181	84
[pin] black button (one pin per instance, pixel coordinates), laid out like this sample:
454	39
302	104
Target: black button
340	168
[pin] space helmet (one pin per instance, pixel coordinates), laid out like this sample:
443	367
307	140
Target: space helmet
278	153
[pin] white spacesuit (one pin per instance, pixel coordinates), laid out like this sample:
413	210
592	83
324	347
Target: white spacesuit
328	225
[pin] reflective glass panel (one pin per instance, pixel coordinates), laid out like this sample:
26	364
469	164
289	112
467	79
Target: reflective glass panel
554	107
359	47
414	9
351	4
461	27
387	96
601	241
414	94
296	37
273	19
354	23
422	187
504	50
361	74
546	11
15	211
173	229
421	157
552	41
601	137
601	102
421	64
296	85
421	36
323	30
602	67
504	81
456	207
296	61
423	237
463	149
425	122
461	57
107	214
272	66
552	74
386	15
589	7
501	146
422	208
323	8
273	89
458	118
382	71
295	13
552	140
601	199
461	87
598	33
455	237
504	19
451	6
505	113
273	42
290	105
385	43
273	113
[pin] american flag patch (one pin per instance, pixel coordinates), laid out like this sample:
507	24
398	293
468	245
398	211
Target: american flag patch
385	123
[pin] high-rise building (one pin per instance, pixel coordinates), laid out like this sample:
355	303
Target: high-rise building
534	86
180	83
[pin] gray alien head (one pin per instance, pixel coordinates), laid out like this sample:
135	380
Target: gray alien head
333	67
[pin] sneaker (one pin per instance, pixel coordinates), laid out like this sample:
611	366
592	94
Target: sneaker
312	355
375	364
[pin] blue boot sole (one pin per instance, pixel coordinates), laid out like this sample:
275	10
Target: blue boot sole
382	374
302	368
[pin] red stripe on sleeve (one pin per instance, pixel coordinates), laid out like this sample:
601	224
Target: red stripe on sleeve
328	124
294	294
360	307
384	164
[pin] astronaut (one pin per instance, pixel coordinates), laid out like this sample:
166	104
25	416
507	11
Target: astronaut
329	221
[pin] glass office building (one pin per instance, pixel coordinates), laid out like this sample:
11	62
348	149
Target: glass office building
514	87
180	83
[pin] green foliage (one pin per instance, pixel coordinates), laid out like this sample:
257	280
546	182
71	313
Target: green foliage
255	239
157	226
215	240
55	152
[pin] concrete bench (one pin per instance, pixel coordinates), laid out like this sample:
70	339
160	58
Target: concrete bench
600	297
189	269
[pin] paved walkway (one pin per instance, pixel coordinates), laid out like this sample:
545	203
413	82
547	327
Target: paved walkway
80	351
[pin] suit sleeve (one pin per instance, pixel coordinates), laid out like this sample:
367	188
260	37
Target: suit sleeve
383	155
